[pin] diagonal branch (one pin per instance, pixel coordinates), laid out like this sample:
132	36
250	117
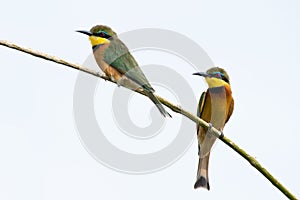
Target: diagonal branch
173	107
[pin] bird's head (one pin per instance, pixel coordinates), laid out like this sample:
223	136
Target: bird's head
215	77
99	35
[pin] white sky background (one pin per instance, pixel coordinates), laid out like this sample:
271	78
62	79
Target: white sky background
41	154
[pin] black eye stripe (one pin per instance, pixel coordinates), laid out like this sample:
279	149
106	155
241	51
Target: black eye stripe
225	79
221	76
102	34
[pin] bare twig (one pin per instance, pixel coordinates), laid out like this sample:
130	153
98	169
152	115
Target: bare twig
173	107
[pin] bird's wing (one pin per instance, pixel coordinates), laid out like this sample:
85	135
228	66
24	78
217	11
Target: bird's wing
118	56
230	110
200	107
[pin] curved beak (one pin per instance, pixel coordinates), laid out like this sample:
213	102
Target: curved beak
204	74
85	32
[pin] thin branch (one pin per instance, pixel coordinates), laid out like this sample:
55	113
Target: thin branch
173	107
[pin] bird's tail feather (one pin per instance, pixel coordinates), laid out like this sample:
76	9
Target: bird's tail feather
158	104
202	173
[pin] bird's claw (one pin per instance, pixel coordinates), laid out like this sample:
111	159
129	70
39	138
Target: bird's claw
119	83
209	126
222	135
179	106
100	74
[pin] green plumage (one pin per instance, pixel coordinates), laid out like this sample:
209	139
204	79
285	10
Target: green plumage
118	57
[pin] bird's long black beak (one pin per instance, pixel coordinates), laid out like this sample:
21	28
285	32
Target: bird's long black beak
85	32
204	74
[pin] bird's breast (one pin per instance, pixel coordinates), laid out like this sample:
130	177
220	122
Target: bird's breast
216	107
99	55
111	72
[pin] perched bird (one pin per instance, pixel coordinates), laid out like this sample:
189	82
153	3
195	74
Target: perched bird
115	60
215	107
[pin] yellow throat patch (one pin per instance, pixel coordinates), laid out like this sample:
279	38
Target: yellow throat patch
215	82
98	40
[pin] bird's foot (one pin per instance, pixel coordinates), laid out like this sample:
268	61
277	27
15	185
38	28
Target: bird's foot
209	126
100	74
222	135
180	108
119	83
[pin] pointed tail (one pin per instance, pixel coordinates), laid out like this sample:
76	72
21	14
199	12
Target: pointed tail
202	173
158	104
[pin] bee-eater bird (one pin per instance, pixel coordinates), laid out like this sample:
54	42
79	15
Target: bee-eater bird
215	107
115	60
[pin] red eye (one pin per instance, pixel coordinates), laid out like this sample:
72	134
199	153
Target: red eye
101	34
218	75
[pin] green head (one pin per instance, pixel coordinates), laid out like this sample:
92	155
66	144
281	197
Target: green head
99	35
102	31
215	77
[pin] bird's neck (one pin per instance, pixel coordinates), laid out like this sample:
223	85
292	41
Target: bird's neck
95	41
216	85
96	47
215	82
100	48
